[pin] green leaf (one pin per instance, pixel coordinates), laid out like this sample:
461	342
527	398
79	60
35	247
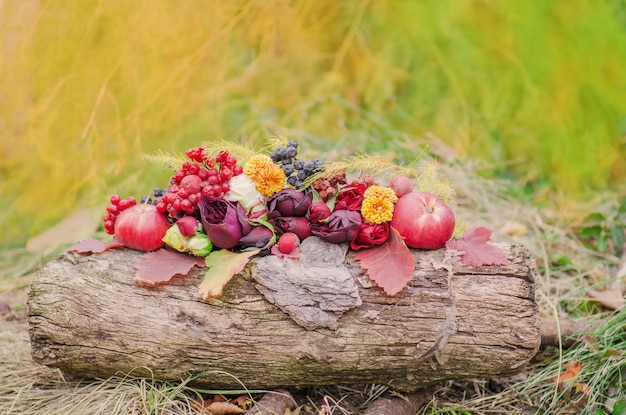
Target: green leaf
590	232
596	217
619	408
603	243
222	266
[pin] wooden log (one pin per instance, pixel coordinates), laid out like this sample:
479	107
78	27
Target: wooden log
88	318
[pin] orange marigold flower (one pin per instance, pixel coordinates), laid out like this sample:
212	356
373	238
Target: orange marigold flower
378	204
385	192
267	176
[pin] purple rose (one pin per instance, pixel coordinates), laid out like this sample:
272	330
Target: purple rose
224	222
299	226
318	211
258	237
370	235
289	203
342	226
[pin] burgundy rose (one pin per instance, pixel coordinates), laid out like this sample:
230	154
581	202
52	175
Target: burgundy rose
258	237
299	226
289	203
370	235
318	211
350	197
224	222
342	226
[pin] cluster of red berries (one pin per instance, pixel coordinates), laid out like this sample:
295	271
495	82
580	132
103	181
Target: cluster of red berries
204	175
117	206
328	186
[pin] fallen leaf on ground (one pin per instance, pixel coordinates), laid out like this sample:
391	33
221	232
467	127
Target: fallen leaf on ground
567	380
476	248
389	265
611	297
570	372
514	229
224	408
243	401
160	266
222	266
82	223
4	308
217	406
93	246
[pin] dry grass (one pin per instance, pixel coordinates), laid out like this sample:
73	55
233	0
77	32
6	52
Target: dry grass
27	388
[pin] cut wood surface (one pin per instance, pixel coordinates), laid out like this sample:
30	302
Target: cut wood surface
88	318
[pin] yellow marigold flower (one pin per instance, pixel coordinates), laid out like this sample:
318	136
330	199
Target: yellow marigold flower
385	192
267	176
378	204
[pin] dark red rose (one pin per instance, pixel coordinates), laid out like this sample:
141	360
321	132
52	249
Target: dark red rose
224	222
370	235
342	226
350	197
298	225
289	202
318	211
258	237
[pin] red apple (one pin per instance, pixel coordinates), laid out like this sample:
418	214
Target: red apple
423	220
141	227
401	185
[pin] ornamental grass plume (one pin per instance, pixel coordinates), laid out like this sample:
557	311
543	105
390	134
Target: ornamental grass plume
378	204
267	176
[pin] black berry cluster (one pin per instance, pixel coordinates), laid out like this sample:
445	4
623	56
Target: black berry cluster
296	170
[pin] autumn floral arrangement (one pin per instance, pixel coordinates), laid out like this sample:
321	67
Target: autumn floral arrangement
226	204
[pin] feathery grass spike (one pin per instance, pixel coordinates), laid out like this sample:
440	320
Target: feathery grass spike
240	151
165	161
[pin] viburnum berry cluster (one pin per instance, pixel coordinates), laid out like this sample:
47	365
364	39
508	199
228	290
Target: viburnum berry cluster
204	175
117	206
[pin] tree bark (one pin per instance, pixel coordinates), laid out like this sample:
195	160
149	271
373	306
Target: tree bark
88	318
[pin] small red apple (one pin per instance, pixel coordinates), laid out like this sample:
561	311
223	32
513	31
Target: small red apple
141	227
401	185
423	220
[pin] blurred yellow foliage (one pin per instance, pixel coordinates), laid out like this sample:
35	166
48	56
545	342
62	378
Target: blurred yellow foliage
88	87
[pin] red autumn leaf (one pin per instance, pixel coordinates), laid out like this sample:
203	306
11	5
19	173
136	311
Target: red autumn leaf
389	265
222	266
160	266
476	248
93	246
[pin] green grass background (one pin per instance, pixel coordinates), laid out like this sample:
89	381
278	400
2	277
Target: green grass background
535	88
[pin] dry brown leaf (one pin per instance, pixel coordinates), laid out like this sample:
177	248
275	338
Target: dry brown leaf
296	411
514	229
224	408
243	401
81	224
611	297
570	372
